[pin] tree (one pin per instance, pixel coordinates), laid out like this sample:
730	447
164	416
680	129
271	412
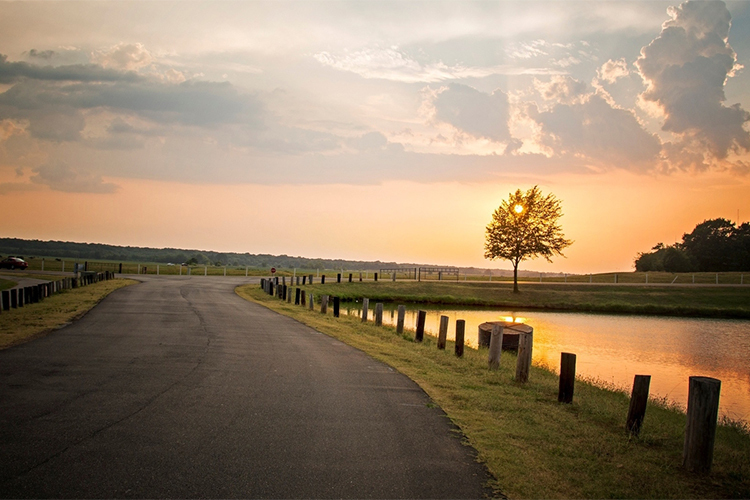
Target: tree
525	226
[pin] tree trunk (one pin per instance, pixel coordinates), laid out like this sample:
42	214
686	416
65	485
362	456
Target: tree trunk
515	277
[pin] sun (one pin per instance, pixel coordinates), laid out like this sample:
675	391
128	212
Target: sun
518	208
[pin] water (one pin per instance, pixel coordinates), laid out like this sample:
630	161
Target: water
614	348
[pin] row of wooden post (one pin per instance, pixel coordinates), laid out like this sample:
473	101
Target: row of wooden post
703	398
18	297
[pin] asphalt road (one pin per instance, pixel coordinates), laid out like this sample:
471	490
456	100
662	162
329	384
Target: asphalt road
177	387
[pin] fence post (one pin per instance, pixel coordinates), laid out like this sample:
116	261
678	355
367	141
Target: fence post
379	314
289	294
6	300
376	276
365	307
421	316
336	307
309	280
443	332
523	362
700	430
393	277
567	377
323	280
205	270
297	294
400	320
324	304
496	347
350	277
338	278
302	300
14	298
310	300
638	400
460	328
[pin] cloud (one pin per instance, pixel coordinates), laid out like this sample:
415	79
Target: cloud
474	112
42	54
685	69
11	72
59	176
591	128
128	57
562	89
611	70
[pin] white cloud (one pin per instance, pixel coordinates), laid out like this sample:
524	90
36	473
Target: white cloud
128	57
562	89
611	70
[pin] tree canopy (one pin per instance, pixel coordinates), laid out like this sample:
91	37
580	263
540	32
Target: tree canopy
525	226
715	245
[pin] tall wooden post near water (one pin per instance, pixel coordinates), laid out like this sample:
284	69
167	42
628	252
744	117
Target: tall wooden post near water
700	430
421	317
638	400
443	332
567	377
460	330
400	320
496	347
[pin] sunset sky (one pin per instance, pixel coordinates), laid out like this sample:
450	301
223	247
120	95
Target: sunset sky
372	130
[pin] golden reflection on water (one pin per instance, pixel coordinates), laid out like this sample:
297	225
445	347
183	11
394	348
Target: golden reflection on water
613	349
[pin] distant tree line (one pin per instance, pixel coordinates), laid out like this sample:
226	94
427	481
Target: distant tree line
97	251
716	245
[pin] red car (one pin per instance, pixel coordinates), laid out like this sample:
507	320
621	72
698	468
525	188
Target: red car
13	263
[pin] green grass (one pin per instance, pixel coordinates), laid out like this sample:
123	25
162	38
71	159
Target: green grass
533	446
699	301
33	320
5	284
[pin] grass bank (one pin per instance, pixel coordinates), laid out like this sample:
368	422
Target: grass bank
33	320
698	301
534	446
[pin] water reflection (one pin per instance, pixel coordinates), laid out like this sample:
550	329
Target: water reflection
615	348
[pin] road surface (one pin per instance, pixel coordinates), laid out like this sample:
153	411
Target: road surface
177	387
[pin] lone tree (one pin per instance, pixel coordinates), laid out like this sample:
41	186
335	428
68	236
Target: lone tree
525	227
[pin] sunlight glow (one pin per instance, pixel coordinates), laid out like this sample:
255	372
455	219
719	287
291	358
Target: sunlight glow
518	209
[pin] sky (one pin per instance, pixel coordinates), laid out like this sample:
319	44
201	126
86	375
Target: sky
372	130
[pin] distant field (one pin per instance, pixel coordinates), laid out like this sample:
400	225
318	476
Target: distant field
703	301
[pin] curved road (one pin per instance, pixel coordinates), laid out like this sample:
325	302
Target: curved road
177	387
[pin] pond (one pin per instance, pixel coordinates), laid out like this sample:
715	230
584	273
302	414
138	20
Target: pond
614	348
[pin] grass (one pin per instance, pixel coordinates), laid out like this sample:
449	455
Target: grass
699	301
5	284
34	320
533	446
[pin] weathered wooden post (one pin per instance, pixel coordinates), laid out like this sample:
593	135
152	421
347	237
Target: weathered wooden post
379	314
523	361
421	317
338	278
400	319
638	400
324	304
460	327
360	276
297	280
700	430
365	307
443	332
336	307
302	301
297	295
309	280
6	300
496	347
393	276
567	377
310	300
304	280
20	297
350	277
289	293
376	276
323	279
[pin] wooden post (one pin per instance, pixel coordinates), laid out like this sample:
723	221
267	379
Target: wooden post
379	314
205	270
304	280
393	277
700	430
376	276
338	278
496	347
289	293
460	327
157	270
443	332
323	280
297	295
567	377
324	304
350	277
365	307
19	300
336	307
421	317
310	300
309	280
638	400
523	362
360	276
400	320
6	300
302	300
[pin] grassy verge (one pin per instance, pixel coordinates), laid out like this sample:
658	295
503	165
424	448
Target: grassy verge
534	446
33	320
726	302
5	284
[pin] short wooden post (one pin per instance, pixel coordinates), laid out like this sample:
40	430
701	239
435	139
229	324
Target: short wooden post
338	278
496	347
309	280
360	276
443	332
289	293
14	298
421	317
350	277
310	300
297	295
567	377
336	307
376	276
324	304
523	361
379	314
6	300
302	300
460	328
393	277
700	430
323	280
304	280
638	400
365	307
400	319
297	277
20	297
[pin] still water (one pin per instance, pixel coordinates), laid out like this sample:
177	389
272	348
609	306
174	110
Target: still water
613	348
